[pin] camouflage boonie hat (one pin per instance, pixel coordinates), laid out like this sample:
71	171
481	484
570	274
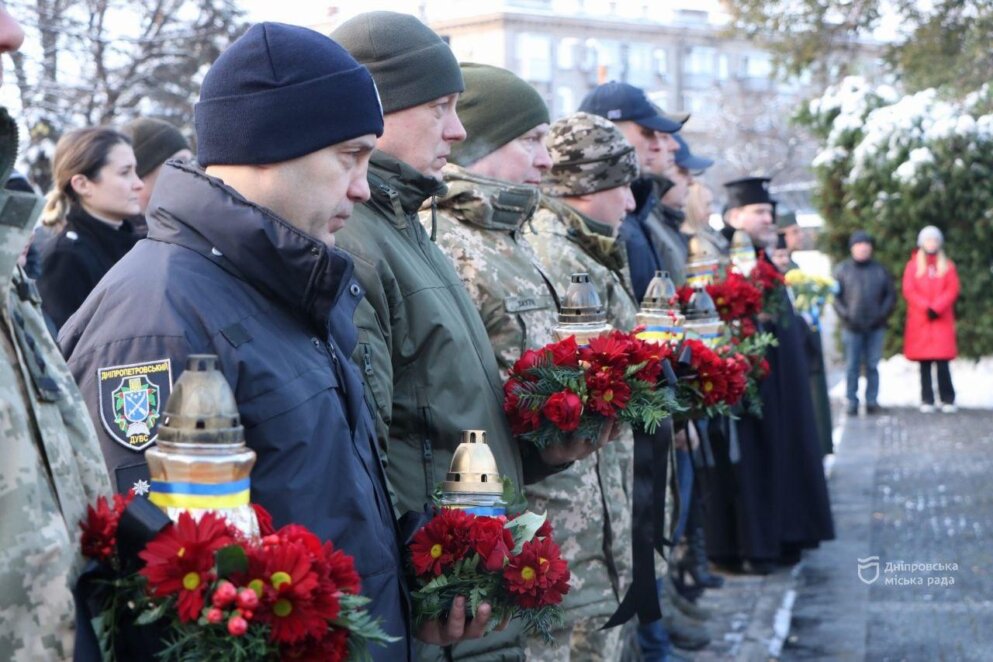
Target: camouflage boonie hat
589	154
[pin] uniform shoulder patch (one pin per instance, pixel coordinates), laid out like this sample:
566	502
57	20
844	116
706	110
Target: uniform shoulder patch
132	400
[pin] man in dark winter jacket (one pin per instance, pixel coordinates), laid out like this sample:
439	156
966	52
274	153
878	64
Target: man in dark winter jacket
240	262
864	301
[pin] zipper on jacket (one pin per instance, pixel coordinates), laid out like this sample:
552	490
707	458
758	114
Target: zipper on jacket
366	360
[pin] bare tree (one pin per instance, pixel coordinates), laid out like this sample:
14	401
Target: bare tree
93	62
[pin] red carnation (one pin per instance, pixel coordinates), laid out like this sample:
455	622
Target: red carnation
340	568
441	542
565	352
99	538
529	359
265	520
180	560
331	647
538	576
492	541
683	295
301	534
564	409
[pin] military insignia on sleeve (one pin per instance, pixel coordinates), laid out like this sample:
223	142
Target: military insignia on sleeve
132	400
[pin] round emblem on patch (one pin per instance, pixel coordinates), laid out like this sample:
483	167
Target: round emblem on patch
132	399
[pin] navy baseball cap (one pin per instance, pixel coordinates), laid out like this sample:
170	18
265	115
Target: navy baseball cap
619	101
687	159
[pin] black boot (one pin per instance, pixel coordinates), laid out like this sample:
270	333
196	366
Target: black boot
694	563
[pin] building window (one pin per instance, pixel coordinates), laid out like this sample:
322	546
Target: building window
566	53
565	101
756	65
640	69
699	61
723	69
534	55
661	62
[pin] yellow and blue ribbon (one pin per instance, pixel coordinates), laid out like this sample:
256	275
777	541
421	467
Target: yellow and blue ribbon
207	496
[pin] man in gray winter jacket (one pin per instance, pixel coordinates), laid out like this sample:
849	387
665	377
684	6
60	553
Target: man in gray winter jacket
864	301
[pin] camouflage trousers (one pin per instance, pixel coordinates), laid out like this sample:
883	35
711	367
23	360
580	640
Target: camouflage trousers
581	641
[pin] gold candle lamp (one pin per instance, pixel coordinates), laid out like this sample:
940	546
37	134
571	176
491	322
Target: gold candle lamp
702	321
581	314
702	263
659	312
473	483
743	252
200	463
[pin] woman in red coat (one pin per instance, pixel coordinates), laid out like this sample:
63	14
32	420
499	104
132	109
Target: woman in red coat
931	286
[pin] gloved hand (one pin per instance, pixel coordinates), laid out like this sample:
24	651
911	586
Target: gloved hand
932	315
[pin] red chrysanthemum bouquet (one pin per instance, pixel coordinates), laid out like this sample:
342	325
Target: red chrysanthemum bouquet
564	389
739	301
215	594
710	382
767	279
514	565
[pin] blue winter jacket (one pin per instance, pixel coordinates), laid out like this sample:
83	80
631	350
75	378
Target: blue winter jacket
221	275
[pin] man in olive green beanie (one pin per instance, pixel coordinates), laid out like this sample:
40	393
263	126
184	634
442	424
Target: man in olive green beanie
154	142
492	196
496	108
417	317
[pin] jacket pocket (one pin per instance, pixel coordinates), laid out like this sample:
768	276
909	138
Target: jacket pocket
287	396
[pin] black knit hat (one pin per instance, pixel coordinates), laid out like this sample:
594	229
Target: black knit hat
410	63
280	92
495	108
860	237
154	141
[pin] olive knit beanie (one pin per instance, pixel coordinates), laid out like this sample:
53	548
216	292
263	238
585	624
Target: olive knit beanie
496	108
410	63
154	141
280	92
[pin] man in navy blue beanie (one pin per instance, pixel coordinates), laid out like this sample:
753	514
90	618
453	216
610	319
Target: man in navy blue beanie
240	263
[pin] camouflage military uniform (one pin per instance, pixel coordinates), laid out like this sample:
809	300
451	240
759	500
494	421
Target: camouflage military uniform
52	466
479	227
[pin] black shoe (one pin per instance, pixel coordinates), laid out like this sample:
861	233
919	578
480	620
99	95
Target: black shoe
695	563
874	409
853	409
756	567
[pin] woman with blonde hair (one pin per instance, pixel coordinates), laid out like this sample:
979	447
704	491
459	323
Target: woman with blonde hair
95	190
931	286
699	203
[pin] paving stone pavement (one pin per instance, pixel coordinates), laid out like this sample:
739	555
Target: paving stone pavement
912	499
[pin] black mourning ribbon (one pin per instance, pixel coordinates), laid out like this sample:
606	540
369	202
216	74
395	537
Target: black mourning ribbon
140	522
651	460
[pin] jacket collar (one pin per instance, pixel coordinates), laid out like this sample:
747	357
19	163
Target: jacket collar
487	203
595	238
397	189
192	209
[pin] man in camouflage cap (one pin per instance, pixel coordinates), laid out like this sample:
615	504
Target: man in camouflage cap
574	230
52	466
492	194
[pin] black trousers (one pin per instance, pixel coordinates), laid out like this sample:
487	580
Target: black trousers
945	388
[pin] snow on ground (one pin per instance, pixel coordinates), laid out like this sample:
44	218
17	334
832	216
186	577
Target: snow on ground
899	383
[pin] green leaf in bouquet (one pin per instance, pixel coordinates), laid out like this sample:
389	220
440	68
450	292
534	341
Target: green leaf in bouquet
230	560
149	616
523	527
541	621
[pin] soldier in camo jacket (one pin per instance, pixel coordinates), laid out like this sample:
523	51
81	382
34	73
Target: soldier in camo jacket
52	466
492	193
587	195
